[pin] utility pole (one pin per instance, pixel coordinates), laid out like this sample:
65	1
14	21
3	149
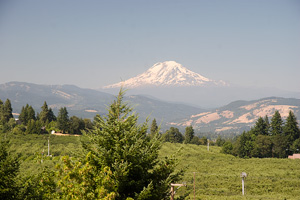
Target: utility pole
173	190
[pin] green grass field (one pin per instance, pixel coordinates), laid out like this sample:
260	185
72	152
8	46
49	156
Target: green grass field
217	176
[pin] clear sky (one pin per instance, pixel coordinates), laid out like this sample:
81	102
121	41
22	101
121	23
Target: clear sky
94	43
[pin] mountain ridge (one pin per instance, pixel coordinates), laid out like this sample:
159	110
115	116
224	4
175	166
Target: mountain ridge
240	115
86	103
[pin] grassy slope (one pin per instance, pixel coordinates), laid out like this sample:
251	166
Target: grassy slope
30	148
218	175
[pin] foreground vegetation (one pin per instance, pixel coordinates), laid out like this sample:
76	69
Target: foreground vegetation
217	175
116	159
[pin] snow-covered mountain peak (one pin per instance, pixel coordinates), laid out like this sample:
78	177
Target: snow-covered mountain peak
168	73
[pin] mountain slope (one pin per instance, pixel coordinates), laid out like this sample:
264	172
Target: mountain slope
240	115
87	103
170	81
234	117
168	73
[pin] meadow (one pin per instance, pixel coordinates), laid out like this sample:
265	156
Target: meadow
217	175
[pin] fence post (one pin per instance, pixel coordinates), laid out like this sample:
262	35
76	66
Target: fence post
243	175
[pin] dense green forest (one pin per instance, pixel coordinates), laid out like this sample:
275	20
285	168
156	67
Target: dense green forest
267	139
116	158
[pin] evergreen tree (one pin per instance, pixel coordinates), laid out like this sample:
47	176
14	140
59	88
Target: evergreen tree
1	112
51	116
85	181
37	127
280	148
63	119
121	162
23	115
43	115
244	145
203	140
33	127
154	128
7	111
196	140
76	125
227	147
291	129
296	146
88	125
276	124
46	115
39	186
262	146
220	141
173	135
260	127
189	134
27	113
267	122
30	113
9	167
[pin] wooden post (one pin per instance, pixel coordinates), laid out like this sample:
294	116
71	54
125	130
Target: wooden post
243	186
194	187
207	144
172	192
243	176
172	189
48	147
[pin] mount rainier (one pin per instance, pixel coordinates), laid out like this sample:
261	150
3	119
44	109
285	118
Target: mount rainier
168	73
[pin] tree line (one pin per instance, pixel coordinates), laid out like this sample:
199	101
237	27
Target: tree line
173	135
267	139
30	122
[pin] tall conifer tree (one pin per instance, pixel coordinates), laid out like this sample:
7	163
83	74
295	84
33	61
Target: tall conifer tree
276	124
260	127
266	119
291	129
7	111
119	152
189	134
9	167
44	113
63	119
154	128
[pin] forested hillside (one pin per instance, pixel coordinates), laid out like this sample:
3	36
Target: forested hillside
274	138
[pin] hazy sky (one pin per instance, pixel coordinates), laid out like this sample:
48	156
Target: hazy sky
95	43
